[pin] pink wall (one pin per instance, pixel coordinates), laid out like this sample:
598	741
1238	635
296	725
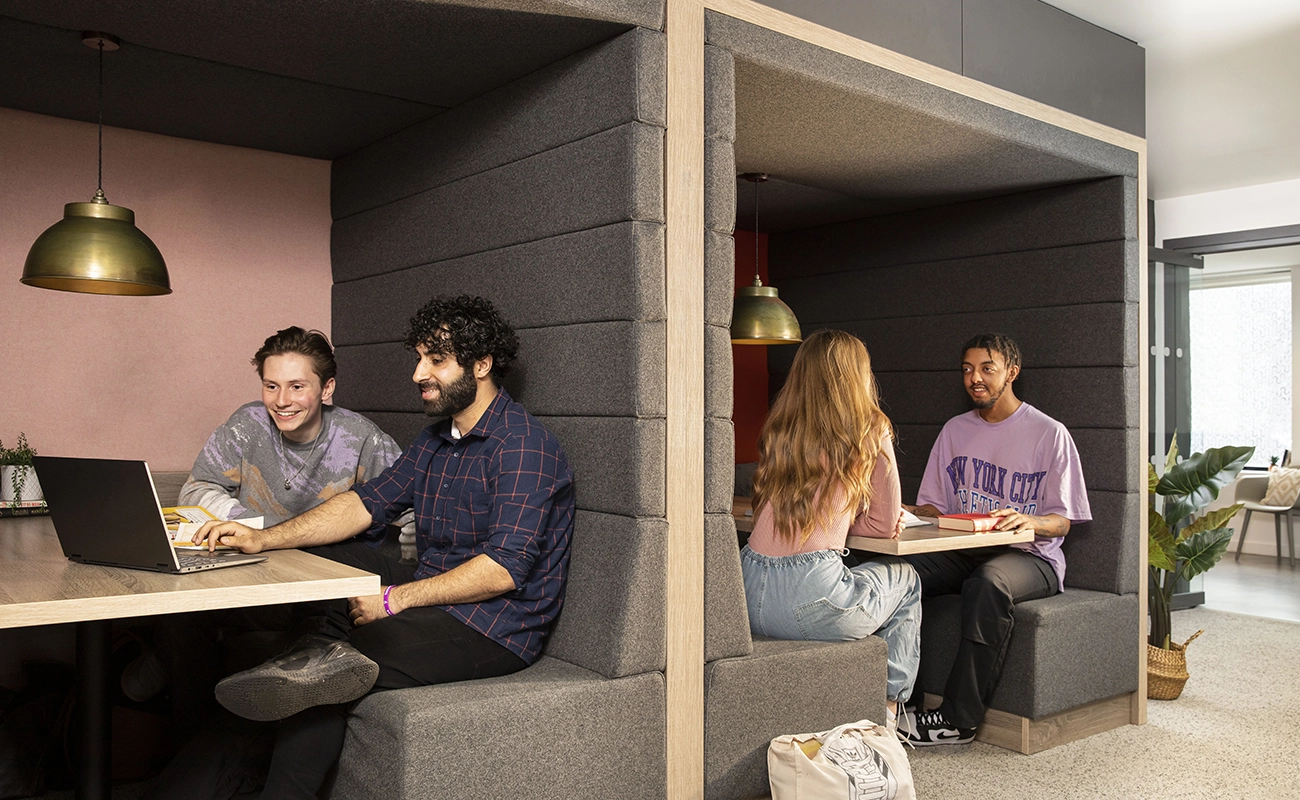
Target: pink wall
246	237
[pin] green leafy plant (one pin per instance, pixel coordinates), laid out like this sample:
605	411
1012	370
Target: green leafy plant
17	456
1182	545
1272	461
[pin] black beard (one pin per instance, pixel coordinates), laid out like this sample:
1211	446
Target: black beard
454	397
989	401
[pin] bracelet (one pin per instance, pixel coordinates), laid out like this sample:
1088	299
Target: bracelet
387	609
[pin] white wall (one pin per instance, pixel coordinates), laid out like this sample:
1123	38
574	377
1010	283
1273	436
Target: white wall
1268	205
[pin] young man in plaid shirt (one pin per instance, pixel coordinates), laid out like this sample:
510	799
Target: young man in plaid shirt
492	493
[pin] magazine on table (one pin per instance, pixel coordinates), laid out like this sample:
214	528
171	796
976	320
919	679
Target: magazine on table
184	521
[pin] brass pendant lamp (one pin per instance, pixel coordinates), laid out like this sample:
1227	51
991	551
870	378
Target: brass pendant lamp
96	248
759	316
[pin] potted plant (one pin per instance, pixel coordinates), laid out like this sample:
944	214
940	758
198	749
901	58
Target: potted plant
1182	545
17	477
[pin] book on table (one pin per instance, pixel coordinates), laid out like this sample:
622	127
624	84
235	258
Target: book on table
979	523
184	521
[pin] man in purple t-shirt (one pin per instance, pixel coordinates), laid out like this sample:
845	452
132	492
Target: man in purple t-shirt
1008	459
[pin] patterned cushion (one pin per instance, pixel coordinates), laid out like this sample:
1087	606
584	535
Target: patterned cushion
1283	487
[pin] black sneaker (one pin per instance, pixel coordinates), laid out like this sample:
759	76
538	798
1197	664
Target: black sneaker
931	728
314	671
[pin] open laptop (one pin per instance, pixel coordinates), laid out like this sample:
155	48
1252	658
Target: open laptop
106	511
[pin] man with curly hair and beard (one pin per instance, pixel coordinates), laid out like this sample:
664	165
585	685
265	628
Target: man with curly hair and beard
492	493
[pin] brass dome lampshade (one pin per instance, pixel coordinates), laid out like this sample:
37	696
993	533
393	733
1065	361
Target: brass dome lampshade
96	248
759	316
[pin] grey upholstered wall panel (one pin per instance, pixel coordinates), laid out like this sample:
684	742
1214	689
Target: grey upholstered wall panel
1088	397
616	593
618	81
719	464
555	373
619	270
609	177
719	94
618	462
928	342
403	426
1061	216
848	286
719	277
1108	456
719	388
1102	555
726	616
719	185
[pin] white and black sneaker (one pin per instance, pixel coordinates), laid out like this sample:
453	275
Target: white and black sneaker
930	728
314	671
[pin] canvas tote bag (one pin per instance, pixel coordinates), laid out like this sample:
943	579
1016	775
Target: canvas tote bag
857	761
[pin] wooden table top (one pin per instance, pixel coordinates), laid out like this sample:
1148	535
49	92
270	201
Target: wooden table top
919	539
39	586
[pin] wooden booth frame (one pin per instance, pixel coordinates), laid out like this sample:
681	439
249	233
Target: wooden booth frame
684	196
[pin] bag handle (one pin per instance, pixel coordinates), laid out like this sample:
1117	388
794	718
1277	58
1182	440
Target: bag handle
835	733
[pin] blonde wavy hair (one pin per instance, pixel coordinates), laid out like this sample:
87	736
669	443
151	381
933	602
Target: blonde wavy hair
825	430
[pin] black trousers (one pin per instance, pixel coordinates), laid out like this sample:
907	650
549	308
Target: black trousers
990	580
418	647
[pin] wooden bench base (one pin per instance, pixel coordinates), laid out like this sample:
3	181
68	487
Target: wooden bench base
1030	736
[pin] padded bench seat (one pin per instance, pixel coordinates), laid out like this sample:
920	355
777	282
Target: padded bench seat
530	734
1067	650
783	687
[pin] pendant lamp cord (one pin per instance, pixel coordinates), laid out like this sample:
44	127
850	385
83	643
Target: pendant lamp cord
101	117
756	182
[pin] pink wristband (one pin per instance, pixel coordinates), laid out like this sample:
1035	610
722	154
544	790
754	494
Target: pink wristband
387	609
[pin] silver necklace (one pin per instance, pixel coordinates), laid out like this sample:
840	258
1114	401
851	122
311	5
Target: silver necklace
285	458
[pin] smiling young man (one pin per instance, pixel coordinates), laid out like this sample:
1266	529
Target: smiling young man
493	498
1008	459
290	452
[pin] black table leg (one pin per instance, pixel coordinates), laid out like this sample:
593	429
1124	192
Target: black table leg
94	710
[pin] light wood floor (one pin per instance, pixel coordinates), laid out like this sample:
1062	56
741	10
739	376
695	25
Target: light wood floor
1256	585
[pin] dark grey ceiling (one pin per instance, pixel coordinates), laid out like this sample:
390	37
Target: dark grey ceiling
317	78
851	143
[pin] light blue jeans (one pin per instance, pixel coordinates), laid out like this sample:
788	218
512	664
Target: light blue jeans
813	596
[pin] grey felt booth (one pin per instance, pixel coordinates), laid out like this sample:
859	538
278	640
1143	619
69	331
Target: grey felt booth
544	195
754	688
969	218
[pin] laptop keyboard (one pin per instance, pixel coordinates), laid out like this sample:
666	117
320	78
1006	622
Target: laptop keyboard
193	560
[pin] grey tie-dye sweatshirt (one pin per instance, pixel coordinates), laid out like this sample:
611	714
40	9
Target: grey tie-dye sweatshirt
242	469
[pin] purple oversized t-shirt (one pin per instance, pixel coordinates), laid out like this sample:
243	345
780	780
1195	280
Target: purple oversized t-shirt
1027	462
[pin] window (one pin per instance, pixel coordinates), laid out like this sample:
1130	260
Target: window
1240	352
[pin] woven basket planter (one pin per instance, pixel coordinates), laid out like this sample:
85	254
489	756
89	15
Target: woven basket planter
1167	669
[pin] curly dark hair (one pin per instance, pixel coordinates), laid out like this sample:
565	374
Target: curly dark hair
467	328
313	344
996	343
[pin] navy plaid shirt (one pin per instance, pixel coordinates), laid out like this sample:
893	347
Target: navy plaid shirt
505	489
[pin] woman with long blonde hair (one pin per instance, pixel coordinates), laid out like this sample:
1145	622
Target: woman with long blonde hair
826	470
